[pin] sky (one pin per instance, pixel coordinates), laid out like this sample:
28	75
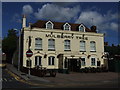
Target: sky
104	15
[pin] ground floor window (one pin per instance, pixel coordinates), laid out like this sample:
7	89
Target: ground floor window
92	61
82	61
28	63
37	60
51	60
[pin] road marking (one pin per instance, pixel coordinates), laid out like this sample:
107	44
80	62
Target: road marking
4	79
27	82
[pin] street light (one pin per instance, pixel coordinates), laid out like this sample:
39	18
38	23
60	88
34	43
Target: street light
19	48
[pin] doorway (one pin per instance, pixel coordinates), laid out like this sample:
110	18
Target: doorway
73	65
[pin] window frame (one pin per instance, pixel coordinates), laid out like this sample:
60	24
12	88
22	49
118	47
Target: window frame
83	62
81	49
93	61
67	45
92	46
51	60
64	26
39	61
50	44
48	23
39	44
83	28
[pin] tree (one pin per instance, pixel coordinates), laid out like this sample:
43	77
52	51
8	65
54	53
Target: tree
113	50
9	44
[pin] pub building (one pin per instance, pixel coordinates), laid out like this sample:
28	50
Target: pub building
61	45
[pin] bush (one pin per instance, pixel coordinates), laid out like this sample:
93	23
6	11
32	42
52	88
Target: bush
98	69
86	70
93	70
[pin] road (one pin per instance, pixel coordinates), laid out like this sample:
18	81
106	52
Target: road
8	81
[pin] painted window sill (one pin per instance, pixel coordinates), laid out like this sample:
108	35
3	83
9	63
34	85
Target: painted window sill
39	49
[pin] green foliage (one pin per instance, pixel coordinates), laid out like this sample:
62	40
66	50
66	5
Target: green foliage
9	44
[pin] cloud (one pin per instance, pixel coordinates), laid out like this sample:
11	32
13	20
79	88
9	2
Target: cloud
86	17
66	4
57	13
16	18
27	9
114	26
103	22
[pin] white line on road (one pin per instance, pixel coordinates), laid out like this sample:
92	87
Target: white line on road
4	79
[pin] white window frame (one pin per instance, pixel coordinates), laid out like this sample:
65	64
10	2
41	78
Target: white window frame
68	25
66	44
51	44
51	24
92	47
38	45
82	61
39	61
51	59
81	46
95	61
83	28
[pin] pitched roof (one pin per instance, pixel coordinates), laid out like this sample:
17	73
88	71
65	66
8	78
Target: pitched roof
59	25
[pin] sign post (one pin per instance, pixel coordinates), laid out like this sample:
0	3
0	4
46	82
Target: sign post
29	53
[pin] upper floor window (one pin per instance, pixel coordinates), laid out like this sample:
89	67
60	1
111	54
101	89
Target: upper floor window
38	43
82	46
67	45
67	27
51	44
51	60
49	25
82	28
37	60
92	46
93	61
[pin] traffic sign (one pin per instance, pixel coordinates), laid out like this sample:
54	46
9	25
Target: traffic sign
29	53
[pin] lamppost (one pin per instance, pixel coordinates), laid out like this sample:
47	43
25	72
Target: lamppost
19	49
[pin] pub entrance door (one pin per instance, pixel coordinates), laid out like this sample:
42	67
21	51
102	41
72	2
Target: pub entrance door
73	65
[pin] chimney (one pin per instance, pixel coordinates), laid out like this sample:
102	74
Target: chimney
24	21
93	28
30	25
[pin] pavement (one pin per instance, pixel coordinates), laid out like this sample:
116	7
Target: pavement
25	76
10	81
109	79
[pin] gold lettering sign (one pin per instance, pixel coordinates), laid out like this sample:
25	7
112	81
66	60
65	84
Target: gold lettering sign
66	36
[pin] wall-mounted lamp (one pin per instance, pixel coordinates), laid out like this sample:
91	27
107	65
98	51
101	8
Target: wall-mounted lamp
45	55
38	52
72	34
88	56
82	52
51	32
